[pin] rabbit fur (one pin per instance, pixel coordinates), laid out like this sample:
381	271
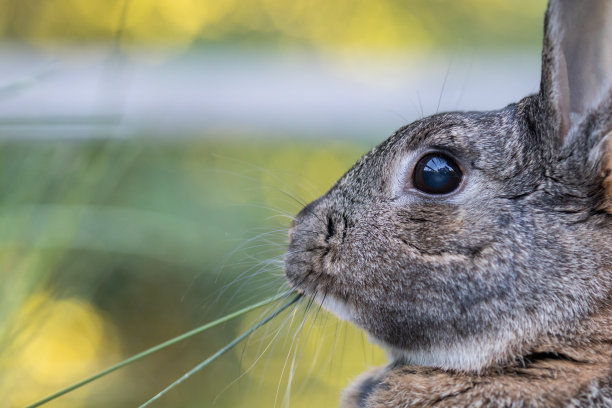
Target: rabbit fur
500	293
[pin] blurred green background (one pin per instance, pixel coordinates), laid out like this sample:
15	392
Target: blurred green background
117	235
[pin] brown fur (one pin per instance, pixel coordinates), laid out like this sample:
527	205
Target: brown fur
573	372
545	382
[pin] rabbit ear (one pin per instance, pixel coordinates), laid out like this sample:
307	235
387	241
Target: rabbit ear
607	182
576	62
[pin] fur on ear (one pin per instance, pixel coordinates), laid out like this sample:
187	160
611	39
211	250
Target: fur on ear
576	84
607	173
576	62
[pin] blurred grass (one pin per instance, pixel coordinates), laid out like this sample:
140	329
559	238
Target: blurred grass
109	247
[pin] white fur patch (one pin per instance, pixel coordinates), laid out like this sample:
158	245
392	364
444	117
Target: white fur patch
335	306
465	356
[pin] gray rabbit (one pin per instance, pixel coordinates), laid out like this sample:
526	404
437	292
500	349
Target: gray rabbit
476	247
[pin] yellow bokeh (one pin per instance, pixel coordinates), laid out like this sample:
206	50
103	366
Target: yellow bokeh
322	169
58	342
343	25
314	172
168	25
171	22
283	190
58	20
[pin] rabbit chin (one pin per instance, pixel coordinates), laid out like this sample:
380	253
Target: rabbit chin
335	306
470	355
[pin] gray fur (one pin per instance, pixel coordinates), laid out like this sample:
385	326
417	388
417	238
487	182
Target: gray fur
480	288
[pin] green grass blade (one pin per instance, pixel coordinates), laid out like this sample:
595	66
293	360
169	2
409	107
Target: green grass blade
223	350
159	347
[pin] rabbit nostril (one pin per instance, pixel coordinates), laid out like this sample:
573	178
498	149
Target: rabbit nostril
331	229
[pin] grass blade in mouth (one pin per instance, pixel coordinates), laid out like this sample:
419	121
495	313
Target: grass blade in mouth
161	346
228	347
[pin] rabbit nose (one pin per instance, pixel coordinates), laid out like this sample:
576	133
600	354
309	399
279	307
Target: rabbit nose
304	214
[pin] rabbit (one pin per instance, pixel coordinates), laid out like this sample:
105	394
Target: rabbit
476	247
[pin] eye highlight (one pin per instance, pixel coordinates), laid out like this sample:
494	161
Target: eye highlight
436	173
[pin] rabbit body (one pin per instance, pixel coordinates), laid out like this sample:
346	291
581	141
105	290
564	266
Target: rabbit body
497	290
569	377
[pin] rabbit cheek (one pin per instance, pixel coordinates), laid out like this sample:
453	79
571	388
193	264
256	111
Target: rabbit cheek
433	230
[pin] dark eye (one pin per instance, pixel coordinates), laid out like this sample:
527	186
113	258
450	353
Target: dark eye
436	173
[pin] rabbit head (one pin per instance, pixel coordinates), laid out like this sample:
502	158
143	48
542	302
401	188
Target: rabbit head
468	238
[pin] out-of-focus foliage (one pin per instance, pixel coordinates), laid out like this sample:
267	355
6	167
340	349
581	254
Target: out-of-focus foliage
108	248
344	24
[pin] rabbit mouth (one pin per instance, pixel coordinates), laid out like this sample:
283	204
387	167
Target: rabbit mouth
313	282
308	272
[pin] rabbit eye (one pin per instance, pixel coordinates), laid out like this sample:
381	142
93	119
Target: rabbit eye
436	173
